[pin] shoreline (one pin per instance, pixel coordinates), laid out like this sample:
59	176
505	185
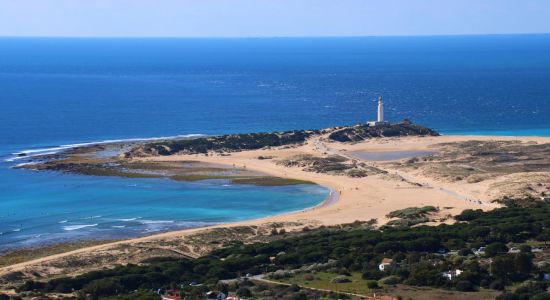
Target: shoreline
352	199
329	200
58	149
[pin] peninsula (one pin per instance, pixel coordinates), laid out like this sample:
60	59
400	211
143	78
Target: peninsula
381	175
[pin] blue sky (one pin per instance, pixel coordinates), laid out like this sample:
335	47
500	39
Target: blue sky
267	18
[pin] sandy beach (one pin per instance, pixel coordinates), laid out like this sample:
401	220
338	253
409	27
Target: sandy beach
352	199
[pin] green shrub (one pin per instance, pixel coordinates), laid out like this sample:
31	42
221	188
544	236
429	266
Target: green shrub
497	285
464	286
372	284
244	292
391	280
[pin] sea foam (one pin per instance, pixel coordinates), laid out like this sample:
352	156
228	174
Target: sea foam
76	227
56	149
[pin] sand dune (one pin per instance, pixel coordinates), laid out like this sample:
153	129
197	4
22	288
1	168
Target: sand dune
363	199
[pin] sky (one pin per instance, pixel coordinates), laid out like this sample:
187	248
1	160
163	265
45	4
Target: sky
270	18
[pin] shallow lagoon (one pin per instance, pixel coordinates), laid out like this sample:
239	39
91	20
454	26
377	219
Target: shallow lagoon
46	207
391	155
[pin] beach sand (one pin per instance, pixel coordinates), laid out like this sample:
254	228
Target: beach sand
362	199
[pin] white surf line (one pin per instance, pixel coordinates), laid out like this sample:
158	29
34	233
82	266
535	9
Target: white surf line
25	154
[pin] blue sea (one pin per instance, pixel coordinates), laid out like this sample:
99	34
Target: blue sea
56	92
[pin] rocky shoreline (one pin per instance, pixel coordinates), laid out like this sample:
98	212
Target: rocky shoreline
125	159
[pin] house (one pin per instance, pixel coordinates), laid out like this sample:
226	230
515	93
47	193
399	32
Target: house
385	264
171	295
536	249
215	295
450	275
194	283
480	251
545	199
514	250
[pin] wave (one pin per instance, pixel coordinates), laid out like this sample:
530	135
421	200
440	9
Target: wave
56	149
24	164
145	222
63	221
76	227
129	219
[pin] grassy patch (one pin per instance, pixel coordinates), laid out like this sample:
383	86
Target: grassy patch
270	181
412	212
22	255
115	172
410	216
199	177
323	280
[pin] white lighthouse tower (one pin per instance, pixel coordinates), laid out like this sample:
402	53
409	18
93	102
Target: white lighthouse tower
380	110
380	120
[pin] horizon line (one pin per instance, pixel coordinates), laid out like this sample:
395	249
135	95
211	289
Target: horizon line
266	37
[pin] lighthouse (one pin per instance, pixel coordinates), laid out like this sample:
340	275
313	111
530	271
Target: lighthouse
380	120
380	110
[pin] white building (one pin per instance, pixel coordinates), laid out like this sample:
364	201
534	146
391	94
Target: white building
380	121
385	264
450	275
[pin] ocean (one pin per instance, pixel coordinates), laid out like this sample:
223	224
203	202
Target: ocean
56	91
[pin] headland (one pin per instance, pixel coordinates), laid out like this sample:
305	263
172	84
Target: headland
435	176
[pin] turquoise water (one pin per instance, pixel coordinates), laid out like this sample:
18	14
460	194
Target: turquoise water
56	92
36	208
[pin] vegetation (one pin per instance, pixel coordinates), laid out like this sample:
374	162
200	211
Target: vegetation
411	216
253	141
364	131
416	251
412	212
352	283
253	180
332	164
476	161
224	143
21	255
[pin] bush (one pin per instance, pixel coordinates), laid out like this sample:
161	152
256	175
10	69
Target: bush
469	215
294	288
497	285
507	296
372	274
525	248
244	292
309	277
495	248
344	272
279	274
542	296
299	296
464	286
103	287
372	284
464	252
